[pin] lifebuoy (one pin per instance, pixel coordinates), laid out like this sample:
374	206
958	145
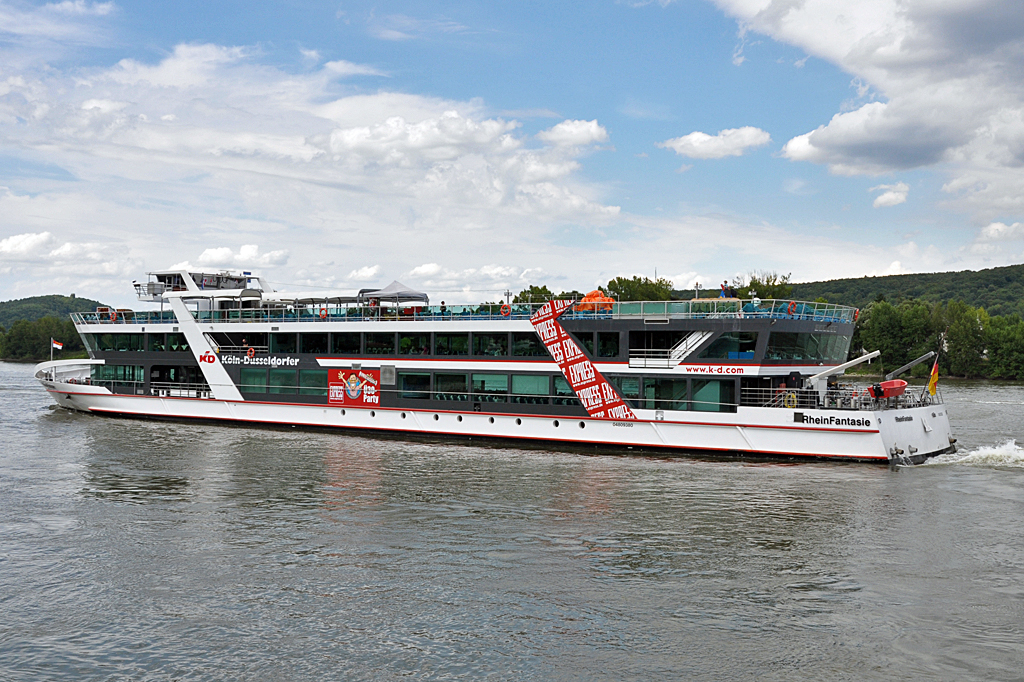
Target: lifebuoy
792	307
251	352
113	316
505	310
856	314
789	400
323	313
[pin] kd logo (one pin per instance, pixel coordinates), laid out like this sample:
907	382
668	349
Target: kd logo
208	357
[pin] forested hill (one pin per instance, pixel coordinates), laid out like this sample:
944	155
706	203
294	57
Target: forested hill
37	307
1000	291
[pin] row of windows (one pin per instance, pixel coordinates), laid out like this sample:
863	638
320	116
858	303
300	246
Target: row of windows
120	373
517	344
657	393
136	342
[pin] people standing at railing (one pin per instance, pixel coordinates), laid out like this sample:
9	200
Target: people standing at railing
724	293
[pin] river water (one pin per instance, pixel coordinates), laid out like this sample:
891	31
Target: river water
163	551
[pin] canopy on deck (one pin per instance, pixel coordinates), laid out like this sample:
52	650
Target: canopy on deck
396	291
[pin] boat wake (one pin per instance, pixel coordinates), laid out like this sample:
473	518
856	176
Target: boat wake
1009	454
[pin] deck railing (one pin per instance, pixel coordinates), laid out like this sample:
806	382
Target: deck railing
651	312
845	397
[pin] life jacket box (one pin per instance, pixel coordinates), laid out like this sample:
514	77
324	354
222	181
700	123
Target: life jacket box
888	389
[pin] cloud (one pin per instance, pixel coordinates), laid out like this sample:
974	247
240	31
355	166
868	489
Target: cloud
398	27
425	270
24	244
343	68
574	133
730	142
998	232
892	194
937	85
247	255
80	7
365	273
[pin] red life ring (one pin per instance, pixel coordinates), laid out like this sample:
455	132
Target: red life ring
251	352
792	307
323	313
505	310
113	316
856	314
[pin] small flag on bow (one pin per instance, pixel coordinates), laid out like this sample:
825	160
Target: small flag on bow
934	380
57	344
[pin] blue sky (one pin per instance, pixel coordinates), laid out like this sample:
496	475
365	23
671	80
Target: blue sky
467	147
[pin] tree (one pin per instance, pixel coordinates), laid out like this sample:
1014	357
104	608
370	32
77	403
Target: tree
763	284
30	340
640	289
1006	348
967	329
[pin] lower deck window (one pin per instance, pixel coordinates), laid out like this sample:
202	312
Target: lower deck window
118	373
711	395
665	394
564	395
530	389
283	381
313	382
450	387
414	385
253	380
490	388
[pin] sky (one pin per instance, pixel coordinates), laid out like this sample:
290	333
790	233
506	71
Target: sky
465	148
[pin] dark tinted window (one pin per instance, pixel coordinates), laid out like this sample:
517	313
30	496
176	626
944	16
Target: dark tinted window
283	343
345	343
490	344
380	344
528	344
314	343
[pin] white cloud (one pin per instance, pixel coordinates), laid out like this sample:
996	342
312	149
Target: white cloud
80	7
24	244
730	142
574	133
398	27
365	273
425	270
997	232
343	68
937	85
891	194
247	255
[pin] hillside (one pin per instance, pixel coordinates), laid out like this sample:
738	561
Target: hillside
1000	291
37	307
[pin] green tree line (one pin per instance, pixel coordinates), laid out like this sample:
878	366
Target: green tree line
29	340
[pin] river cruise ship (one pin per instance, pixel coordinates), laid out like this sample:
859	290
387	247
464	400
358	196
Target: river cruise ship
760	378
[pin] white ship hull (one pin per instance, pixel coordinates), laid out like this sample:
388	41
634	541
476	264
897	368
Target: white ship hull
908	434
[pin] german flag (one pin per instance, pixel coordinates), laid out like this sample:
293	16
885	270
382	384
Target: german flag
934	380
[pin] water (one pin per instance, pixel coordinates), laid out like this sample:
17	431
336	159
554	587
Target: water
134	550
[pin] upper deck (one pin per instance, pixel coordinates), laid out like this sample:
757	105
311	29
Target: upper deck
649	312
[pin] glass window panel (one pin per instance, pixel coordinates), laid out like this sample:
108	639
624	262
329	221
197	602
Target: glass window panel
528	344
414	385
608	344
713	395
312	382
314	343
283	381
732	346
530	388
380	343
177	343
585	340
345	343
789	346
414	344
665	394
490	344
156	342
450	387
490	387
628	387
564	395
451	344
253	380
283	343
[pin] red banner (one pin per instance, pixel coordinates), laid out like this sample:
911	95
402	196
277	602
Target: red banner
600	400
355	387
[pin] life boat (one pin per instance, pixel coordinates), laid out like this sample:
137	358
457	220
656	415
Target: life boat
888	389
596	300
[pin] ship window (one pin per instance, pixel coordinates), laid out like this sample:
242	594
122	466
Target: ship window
608	344
530	389
414	385
628	387
664	394
710	395
564	395
732	346
314	343
660	340
119	342
282	343
177	343
345	343
528	344
450	387
807	348
490	344
117	373
585	340
414	344
380	344
451	344
313	381
490	388
156	342
253	380
283	381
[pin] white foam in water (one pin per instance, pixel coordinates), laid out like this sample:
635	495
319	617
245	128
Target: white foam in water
1009	454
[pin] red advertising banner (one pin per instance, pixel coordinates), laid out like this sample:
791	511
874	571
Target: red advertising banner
600	400
354	387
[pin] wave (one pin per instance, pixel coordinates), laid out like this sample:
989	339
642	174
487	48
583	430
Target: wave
1009	454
